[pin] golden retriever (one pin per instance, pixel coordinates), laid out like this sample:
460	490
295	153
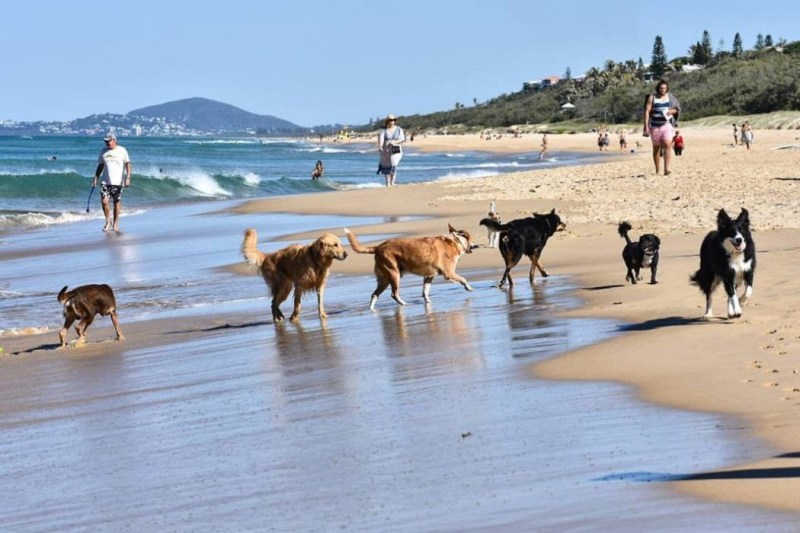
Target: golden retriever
84	303
423	256
303	267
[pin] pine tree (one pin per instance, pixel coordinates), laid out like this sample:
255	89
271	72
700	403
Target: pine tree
568	74
759	41
658	62
708	53
768	41
737	45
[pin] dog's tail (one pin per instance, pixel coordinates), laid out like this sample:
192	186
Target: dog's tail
357	246
250	251
492	208
623	229
493	225
62	296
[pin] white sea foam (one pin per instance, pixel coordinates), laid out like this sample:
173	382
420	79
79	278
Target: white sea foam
33	220
251	178
37	172
200	181
16	332
455	176
350	186
223	141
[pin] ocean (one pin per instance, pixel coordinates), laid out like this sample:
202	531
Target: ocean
46	180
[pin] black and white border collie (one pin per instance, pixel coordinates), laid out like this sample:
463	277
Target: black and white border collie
727	255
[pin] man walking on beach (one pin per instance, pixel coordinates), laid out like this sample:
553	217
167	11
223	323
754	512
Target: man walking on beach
111	163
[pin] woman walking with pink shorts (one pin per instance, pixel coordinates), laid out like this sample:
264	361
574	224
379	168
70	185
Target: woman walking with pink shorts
660	113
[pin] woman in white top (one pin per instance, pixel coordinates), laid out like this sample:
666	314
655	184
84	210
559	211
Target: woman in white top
389	140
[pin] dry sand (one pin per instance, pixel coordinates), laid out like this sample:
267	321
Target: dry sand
748	367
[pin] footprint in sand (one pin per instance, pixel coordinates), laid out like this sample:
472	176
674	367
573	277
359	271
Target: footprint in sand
770	384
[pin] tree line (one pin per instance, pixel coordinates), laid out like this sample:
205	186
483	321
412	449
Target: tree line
738	81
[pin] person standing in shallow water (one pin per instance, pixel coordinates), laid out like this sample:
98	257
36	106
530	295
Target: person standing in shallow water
390	138
114	165
319	170
660	112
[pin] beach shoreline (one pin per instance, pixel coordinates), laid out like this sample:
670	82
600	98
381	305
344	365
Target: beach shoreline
749	367
746	368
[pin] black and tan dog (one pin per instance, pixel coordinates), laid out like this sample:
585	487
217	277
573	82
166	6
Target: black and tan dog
303	268
727	256
640	254
423	256
525	236
85	303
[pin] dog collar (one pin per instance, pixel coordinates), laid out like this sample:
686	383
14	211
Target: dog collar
457	237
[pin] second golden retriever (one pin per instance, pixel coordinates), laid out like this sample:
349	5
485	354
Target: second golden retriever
423	256
303	268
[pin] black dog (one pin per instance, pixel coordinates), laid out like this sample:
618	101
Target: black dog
727	255
525	236
641	254
85	303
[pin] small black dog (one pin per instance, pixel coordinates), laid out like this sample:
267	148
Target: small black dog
525	236
641	254
727	255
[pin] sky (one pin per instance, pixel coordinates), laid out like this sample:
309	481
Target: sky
336	61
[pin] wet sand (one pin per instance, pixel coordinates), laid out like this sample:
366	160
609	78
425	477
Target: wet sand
417	417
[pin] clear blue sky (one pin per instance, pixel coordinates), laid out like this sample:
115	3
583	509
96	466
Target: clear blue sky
314	62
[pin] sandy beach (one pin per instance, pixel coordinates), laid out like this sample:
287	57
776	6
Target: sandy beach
376	415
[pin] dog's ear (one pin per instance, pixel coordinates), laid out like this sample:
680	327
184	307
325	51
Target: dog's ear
657	241
744	218
723	219
553	212
451	229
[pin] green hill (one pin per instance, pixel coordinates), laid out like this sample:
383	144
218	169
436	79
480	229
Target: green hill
208	115
757	82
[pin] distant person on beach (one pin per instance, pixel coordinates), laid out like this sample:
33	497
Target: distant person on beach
747	134
677	143
390	138
623	141
660	113
600	140
112	163
319	170
735	135
544	146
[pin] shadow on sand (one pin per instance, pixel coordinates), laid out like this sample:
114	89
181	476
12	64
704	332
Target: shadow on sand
746	473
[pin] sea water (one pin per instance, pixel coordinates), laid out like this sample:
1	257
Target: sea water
47	180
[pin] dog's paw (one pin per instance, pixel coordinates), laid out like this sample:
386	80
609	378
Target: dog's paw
653	282
121	338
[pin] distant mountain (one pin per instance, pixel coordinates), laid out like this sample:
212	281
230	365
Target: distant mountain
202	114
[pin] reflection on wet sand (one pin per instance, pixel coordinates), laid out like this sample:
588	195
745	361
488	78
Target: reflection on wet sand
310	361
533	330
426	343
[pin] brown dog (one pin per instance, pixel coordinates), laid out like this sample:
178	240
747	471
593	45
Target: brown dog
85	303
303	267
424	256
